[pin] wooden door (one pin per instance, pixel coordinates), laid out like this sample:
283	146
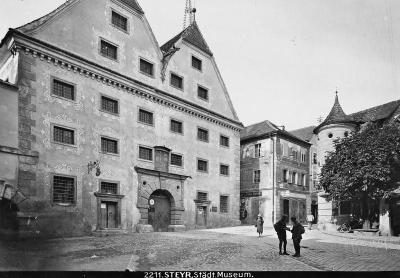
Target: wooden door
160	213
111	215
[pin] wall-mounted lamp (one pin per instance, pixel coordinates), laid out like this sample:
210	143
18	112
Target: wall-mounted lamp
93	165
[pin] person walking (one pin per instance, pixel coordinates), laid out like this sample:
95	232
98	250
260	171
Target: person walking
297	231
259	225
280	229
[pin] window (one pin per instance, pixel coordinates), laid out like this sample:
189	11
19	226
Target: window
303	180
108	50
109	187
109	105
224	141
197	63
109	145
63	135
285	175
223	204
295	155
177	126
224	170
146	67
303	157
257	150
63	190
346	134
202	165
146	117
202	196
202	93
294	178
176	81
315	161
257	176
146	153
330	135
63	89
202	134
176	159
119	21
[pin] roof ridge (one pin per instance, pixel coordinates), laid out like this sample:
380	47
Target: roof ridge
381	105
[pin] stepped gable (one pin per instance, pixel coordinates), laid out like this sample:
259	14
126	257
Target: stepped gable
191	35
336	116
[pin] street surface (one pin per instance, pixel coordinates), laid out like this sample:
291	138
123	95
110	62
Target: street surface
230	249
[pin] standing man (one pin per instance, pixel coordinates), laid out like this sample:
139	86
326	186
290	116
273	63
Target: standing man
297	231
280	228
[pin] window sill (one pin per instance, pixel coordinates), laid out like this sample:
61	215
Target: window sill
65	144
180	89
146	124
63	98
145	160
121	29
112	154
146	74
110	113
63	205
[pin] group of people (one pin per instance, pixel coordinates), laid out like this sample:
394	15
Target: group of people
281	228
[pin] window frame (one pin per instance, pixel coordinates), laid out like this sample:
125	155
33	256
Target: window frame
53	125
285	174
204	88
201	63
197	165
52	78
257	155
173	165
259	176
227	203
116	26
53	203
180	76
170	126
111	98
208	134
148	111
111	139
145	147
229	141
101	39
109	181
203	192
224	165
152	69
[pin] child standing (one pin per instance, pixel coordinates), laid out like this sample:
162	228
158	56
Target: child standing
259	225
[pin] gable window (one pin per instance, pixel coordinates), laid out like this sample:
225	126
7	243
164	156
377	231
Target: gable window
223	204
109	187
257	176
224	170
202	196
119	21
146	153
109	145
63	135
63	89
63	190
224	141
146	117
197	63
202	134
202	93
177	126
176	159
257	150
146	67
202	165
108	50
109	105
176	81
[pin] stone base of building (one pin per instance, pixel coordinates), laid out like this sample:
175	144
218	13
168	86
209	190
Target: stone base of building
176	228
144	228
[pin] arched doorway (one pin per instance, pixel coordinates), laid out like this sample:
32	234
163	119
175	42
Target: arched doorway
160	210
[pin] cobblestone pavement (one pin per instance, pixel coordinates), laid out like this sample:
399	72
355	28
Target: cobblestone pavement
235	249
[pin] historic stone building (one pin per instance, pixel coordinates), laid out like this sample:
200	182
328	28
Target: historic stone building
120	133
275	174
339	125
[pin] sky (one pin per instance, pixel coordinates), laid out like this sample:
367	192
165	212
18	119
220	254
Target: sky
281	60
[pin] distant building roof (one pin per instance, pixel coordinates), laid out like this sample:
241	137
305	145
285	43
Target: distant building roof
376	113
305	133
191	35
336	116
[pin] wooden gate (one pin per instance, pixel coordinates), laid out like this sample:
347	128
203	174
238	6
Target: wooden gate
159	212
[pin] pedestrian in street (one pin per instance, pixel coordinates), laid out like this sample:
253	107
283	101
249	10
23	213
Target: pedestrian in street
280	229
259	225
310	219
297	231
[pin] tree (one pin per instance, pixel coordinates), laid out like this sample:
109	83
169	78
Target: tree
364	168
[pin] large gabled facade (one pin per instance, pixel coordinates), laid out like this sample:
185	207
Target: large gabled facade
129	135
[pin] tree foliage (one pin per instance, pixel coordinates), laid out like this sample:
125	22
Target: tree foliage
364	166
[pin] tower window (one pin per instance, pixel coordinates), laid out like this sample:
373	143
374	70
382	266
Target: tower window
330	135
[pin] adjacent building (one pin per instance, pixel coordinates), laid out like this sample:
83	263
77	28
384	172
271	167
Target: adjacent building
112	131
275	174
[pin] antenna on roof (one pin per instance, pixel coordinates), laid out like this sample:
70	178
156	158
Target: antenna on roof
190	14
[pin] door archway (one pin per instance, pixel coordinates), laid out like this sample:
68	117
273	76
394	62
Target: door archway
159	216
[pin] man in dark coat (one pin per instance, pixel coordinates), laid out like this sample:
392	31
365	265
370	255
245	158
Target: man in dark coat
297	231
280	228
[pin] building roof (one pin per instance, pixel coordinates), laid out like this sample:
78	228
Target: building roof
191	35
134	5
336	116
305	133
8	85
380	112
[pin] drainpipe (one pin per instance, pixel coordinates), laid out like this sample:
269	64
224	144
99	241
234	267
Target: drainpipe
273	180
